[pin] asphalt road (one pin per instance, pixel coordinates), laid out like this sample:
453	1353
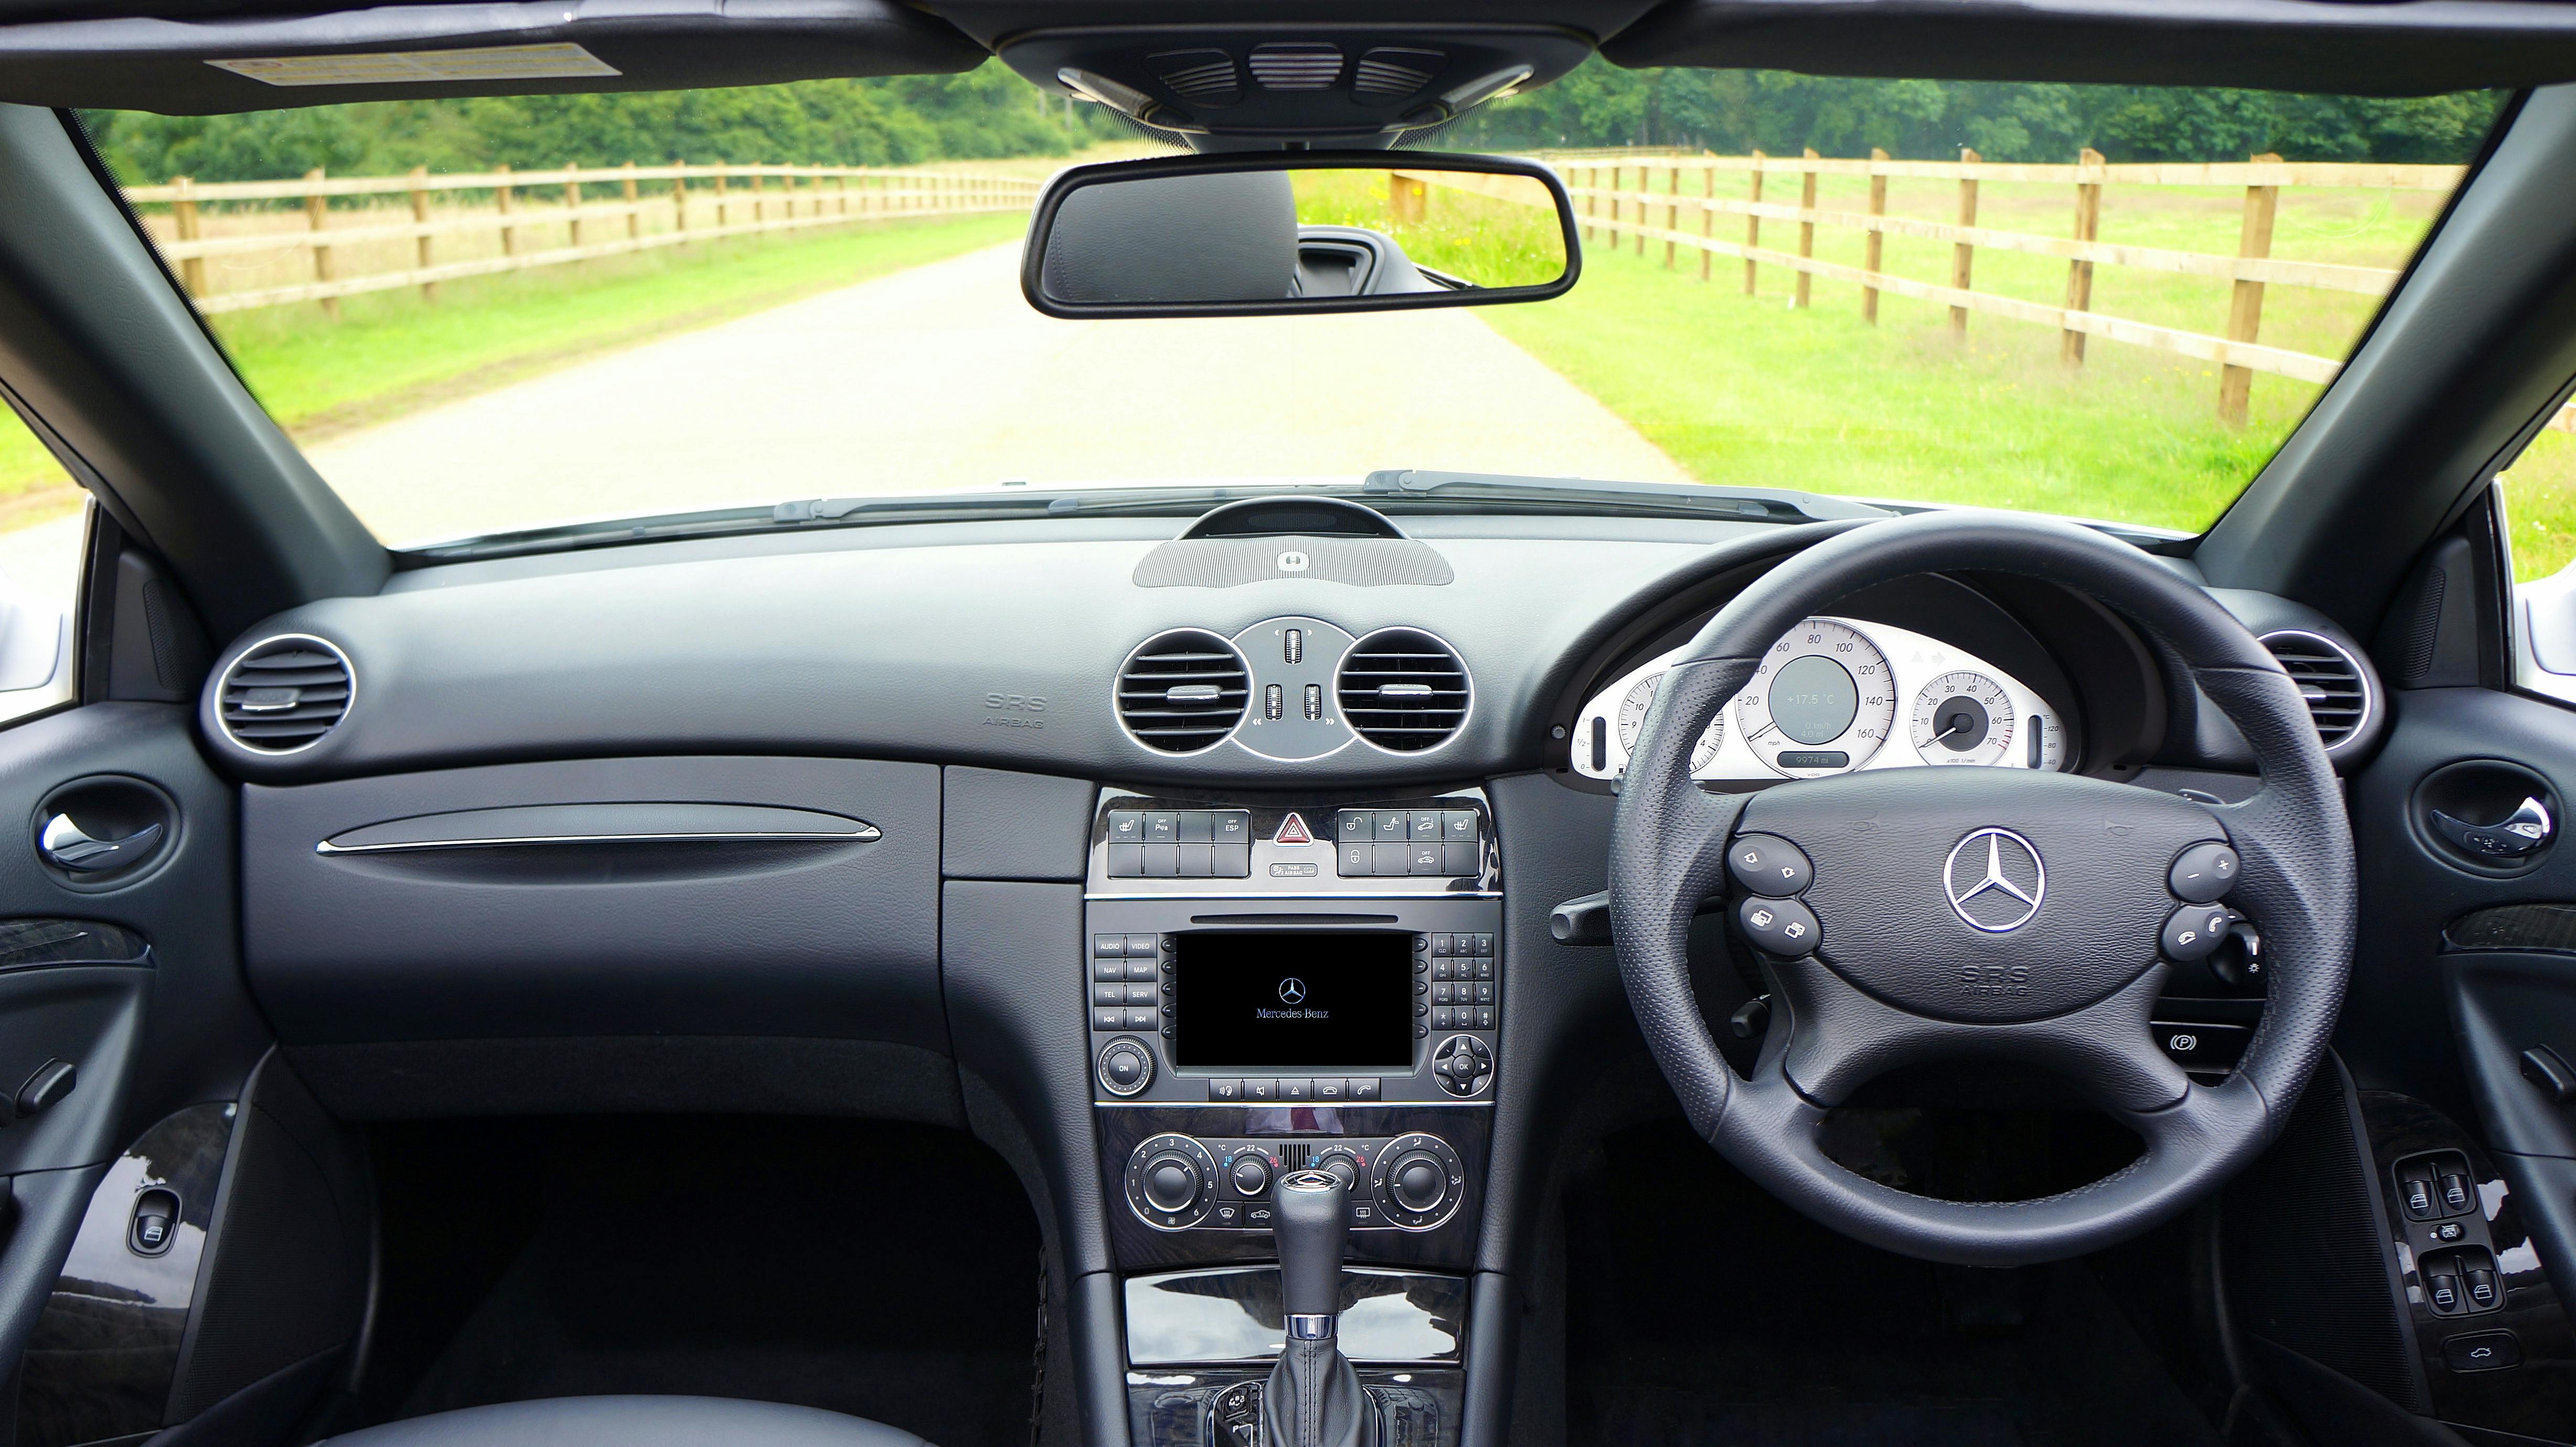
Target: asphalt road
942	377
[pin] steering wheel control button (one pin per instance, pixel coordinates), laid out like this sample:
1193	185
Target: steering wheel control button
1462	1064
1126	1067
2202	873
2195	931
1782	927
1769	865
1171	1180
1418	1181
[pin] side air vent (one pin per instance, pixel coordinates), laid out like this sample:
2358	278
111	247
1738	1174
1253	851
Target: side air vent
1395	71
2330	679
1296	66
285	693
1205	76
1403	690
1183	691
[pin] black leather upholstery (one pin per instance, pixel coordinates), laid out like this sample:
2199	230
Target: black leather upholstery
632	1422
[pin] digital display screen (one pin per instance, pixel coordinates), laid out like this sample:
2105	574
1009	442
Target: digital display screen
1312	1000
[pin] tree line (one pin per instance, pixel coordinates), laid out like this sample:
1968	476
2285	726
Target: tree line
991	112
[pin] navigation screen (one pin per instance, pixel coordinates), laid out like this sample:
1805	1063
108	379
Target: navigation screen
1313	1000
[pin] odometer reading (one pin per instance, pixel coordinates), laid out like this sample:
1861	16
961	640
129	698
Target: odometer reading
1963	718
1632	718
1821	703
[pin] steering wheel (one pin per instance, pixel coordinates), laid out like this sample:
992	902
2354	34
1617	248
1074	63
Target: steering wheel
2010	914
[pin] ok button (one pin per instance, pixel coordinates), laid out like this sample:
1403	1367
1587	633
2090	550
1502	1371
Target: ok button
1767	864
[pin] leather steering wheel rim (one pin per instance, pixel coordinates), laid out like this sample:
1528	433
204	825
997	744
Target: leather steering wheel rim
1872	994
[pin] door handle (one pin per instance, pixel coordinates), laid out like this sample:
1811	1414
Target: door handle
65	845
2525	832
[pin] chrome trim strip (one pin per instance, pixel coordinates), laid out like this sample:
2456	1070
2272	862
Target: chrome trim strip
1284	896
1308	1104
864	834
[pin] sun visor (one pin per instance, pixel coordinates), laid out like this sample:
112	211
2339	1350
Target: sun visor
408	52
2390	48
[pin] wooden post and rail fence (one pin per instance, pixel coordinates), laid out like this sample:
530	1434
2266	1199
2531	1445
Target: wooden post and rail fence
1618	198
603	211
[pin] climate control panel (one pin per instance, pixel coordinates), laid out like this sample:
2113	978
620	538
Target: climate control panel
1409	1182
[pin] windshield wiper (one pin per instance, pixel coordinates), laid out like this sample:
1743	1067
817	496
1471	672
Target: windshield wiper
1584	494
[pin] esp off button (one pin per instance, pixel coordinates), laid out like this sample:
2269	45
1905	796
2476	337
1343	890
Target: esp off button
1782	927
1769	865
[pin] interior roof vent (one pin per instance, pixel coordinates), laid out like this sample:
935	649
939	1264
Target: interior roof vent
1403	690
285	693
1392	70
1296	65
1205	76
2329	678
1183	691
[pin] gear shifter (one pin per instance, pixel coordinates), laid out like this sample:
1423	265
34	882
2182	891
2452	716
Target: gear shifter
1313	1398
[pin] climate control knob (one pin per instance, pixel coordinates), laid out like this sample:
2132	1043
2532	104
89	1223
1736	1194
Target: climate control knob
1416	1182
1342	1166
1251	1174
1419	1181
1171	1181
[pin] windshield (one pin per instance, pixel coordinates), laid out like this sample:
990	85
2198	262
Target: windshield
488	315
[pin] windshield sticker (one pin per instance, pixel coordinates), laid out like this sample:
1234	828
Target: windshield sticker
401	67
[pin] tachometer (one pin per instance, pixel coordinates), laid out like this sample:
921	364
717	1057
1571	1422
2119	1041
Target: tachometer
1821	703
1963	717
1632	718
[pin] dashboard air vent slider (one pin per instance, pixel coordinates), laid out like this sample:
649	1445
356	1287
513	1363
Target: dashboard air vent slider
1205	76
285	693
1394	71
1403	690
1183	691
1296	65
2329	678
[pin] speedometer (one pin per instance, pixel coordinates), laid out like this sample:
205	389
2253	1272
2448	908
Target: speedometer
1821	703
1632	718
1962	717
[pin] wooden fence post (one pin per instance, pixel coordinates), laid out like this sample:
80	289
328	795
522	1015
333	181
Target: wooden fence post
1407	198
1963	256
2245	309
841	184
1707	215
1806	228
679	195
1873	242
509	203
759	199
1645	188
1753	224
2079	274
572	202
1672	217
183	212
421	249
634	204
317	214
1591	197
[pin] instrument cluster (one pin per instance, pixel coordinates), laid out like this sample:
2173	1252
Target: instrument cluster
1836	695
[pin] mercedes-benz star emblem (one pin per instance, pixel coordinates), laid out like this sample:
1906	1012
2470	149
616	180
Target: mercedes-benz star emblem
1292	991
1994	880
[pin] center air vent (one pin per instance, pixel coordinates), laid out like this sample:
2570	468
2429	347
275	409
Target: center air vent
1402	689
2329	678
1393	70
1205	76
285	693
1183	691
1296	65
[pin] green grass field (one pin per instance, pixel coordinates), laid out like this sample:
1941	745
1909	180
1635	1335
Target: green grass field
393	353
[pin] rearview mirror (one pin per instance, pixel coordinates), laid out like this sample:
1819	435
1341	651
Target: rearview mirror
1248	235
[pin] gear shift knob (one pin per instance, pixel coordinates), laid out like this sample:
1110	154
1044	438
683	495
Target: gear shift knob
1311	1224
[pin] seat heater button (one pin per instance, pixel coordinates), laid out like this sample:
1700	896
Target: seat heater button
1783	927
2202	873
2195	930
1460	826
1769	865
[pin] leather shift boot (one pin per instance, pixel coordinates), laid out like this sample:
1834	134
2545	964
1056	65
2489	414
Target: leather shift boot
1314	1399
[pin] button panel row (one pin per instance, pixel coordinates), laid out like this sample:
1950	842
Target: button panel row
1322	1089
1180	844
1376	843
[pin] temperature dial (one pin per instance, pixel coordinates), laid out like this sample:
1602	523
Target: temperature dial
1963	718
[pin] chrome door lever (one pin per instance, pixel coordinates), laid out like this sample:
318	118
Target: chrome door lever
2527	830
65	845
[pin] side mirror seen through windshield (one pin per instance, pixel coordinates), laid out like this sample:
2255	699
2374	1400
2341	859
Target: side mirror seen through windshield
1248	235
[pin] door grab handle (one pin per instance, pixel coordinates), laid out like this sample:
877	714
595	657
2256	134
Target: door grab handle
66	845
2528	830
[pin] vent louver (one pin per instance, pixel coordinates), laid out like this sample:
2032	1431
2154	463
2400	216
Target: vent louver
285	693
2329	678
1294	66
1394	71
1403	690
1205	76
1183	691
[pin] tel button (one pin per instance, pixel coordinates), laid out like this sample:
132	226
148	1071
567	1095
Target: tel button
2195	930
1768	865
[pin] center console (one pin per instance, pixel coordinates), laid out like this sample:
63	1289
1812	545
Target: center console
1284	986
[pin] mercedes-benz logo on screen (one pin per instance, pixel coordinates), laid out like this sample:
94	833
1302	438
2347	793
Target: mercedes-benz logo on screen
1292	991
1996	888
